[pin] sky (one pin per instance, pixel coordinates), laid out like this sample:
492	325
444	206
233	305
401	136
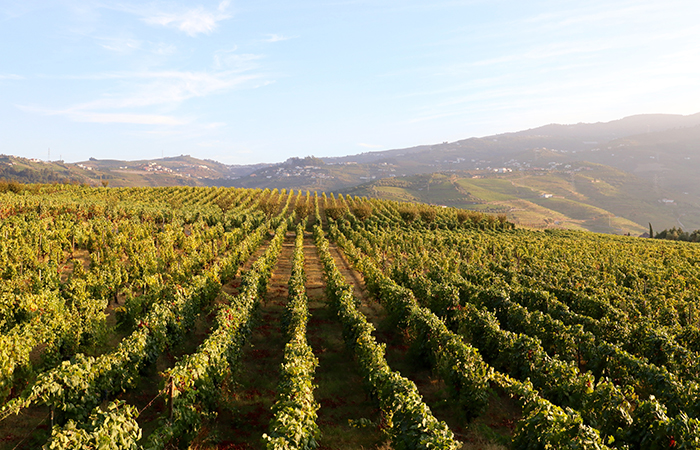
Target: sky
248	81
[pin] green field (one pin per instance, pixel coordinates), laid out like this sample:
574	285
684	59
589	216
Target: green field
595	198
223	318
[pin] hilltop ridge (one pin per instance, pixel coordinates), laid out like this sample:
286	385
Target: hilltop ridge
640	168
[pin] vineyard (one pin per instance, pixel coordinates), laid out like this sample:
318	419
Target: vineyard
222	318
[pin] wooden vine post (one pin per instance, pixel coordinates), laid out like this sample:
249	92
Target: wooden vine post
170	396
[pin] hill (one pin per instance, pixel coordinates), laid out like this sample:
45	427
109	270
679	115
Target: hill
216	318
576	196
639	170
176	171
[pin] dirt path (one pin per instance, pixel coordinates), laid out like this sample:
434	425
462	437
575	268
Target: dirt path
340	389
348	417
246	401
352	276
31	428
499	419
145	396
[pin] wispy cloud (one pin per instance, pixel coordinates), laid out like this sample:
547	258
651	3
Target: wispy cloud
159	90
78	115
13	10
193	130
10	76
119	45
211	143
168	87
236	62
277	38
370	145
142	119
192	21
127	45
572	96
602	14
595	57
579	47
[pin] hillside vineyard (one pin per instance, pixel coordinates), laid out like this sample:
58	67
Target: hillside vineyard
223	318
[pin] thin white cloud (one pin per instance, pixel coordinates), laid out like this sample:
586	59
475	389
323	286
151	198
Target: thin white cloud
78	115
662	80
568	61
238	62
191	21
168	87
277	38
119	45
213	143
162	49
126	45
192	130
146	95
595	47
13	10
10	76
141	119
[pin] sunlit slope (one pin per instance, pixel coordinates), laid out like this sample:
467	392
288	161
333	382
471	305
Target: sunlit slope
580	196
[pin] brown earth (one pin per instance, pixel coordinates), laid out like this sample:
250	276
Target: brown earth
348	417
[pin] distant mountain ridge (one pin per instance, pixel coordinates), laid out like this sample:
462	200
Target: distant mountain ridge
650	161
171	171
580	134
627	126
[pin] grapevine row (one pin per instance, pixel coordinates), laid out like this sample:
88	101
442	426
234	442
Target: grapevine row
194	383
408	419
75	387
293	425
463	369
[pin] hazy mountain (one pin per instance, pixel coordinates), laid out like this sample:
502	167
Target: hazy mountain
605	131
648	164
180	170
626	144
620	174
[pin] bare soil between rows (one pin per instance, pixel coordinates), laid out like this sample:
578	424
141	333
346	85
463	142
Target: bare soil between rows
348	417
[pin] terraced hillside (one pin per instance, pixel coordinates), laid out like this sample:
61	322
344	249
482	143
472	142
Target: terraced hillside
576	196
242	319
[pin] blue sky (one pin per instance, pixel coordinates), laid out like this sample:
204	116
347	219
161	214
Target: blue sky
259	81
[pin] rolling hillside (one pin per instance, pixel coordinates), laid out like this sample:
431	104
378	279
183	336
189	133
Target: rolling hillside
581	196
613	177
176	171
610	177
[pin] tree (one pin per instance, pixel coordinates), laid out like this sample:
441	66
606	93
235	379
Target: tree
268	207
428	215
336	211
362	211
462	216
301	209
408	213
